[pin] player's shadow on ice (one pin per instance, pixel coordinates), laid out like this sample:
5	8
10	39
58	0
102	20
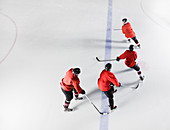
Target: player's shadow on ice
122	41
134	83
117	47
128	85
123	71
106	40
125	98
90	95
100	43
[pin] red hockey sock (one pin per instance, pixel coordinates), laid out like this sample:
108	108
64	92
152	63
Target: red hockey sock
66	104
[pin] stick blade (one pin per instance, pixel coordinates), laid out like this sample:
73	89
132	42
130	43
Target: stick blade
137	86
97	59
105	113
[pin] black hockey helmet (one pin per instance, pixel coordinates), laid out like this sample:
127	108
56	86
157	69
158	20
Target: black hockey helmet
131	47
108	66
124	20
76	71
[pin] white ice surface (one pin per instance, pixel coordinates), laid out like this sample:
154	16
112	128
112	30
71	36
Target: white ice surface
55	35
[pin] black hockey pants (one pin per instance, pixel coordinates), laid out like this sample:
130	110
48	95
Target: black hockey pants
135	40
69	94
136	67
109	94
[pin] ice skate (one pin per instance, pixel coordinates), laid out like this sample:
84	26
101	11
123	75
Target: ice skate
78	98
141	78
113	108
68	109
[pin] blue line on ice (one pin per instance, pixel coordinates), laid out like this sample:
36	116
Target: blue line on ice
104	103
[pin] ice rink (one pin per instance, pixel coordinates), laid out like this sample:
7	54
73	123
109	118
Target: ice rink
42	39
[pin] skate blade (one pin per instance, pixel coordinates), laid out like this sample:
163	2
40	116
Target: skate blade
80	98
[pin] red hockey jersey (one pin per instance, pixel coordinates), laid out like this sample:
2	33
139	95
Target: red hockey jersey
106	78
128	31
130	57
69	81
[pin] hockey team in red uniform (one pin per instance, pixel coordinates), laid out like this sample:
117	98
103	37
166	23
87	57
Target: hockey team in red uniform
106	84
69	84
128	31
107	79
130	56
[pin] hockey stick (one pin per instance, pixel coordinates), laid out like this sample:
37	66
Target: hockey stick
104	60
134	87
117	29
102	113
139	84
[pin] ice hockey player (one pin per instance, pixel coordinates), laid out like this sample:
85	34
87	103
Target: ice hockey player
106	84
128	31
130	56
69	84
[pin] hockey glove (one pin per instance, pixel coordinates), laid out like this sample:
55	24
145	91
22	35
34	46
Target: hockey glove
83	92
117	59
120	85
